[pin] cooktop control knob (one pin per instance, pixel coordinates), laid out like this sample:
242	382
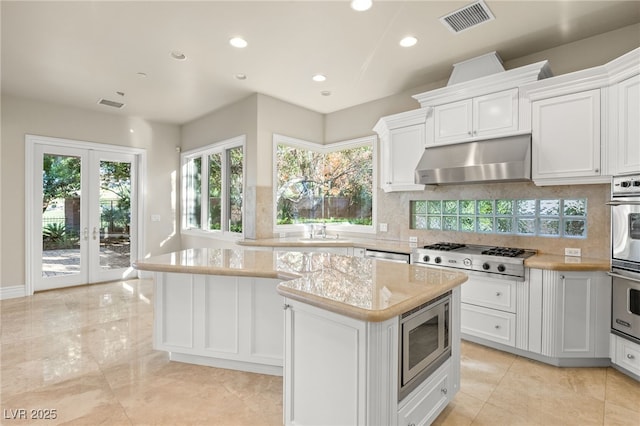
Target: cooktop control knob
501	268
438	260
625	184
467	262
426	258
485	266
636	183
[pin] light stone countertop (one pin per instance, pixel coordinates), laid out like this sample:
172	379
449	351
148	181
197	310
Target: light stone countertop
298	242
360	288
539	261
566	263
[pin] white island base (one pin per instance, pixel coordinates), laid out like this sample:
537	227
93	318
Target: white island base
337	337
220	321
344	371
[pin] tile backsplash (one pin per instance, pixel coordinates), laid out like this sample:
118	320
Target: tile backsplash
569	201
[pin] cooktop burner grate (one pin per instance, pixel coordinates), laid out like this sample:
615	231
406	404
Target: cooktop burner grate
444	246
503	251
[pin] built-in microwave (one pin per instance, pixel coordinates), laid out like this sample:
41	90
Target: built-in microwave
425	342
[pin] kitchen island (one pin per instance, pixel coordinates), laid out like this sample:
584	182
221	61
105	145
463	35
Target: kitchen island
224	308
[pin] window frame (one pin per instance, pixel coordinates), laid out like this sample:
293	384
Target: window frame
221	147
324	149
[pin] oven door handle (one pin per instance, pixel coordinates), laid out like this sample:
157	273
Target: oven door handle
624	277
622	203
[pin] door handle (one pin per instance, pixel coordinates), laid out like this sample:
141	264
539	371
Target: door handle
611	274
85	233
95	232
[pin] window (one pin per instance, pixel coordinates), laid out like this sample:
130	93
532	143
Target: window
547	218
331	184
215	174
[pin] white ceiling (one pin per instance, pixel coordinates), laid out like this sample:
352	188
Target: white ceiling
77	52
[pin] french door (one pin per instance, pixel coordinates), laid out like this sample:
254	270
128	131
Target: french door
84	216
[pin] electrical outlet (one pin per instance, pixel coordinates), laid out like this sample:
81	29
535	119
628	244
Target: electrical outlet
155	218
572	252
283	235
383	227
413	239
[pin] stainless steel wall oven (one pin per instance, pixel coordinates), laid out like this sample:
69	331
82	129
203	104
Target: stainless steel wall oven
425	342
625	256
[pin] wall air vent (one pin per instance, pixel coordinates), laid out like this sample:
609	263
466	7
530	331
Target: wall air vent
113	104
467	17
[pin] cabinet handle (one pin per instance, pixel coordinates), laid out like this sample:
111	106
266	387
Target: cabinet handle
630	356
562	277
411	424
469	132
597	170
475	132
444	391
286	306
497	327
498	294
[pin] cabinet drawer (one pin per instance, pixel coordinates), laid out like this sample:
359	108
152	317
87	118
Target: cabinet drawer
628	355
490	293
489	324
424	406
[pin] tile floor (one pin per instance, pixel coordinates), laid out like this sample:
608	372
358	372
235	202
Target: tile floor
86	353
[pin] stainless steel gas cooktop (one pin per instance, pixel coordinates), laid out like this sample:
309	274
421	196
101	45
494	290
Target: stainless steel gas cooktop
499	262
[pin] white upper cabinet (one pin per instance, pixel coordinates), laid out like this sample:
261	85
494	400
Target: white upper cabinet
480	117
402	143
585	124
566	138
625	126
481	108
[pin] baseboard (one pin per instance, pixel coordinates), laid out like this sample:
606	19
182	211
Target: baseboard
12	292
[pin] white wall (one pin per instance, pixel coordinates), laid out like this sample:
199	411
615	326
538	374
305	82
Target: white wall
23	116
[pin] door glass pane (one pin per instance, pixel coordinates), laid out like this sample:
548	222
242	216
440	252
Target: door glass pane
215	191
115	215
60	215
235	189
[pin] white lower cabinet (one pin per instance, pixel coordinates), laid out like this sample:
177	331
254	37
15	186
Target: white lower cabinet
428	400
221	321
342	371
576	314
489	309
561	318
489	324
625	354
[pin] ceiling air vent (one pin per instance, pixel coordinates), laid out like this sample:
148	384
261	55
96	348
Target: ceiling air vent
113	104
467	17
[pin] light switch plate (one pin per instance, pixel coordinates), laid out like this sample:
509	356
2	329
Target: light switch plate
413	239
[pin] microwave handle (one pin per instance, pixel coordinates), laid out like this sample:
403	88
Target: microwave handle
622	203
624	277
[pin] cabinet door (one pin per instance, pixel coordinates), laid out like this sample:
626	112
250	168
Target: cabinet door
576	314
495	113
566	137
401	152
628	141
453	122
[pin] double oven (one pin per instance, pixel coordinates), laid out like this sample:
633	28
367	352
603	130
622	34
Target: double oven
625	256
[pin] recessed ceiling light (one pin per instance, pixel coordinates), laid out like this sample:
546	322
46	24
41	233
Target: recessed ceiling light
325	93
178	56
408	41
361	5
241	76
319	77
238	42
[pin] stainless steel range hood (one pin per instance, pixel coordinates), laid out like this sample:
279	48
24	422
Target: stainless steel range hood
506	159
